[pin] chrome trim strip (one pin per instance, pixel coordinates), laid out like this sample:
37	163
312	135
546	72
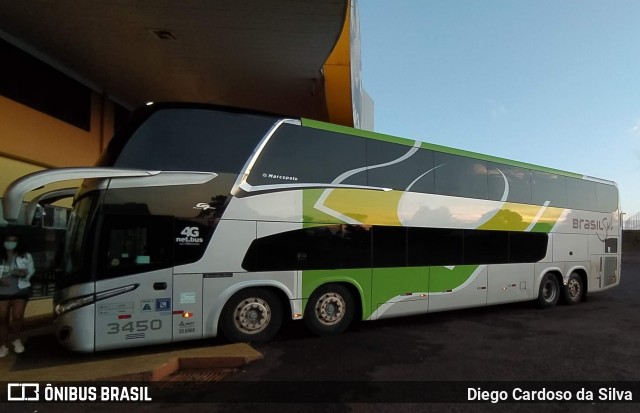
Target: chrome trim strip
115	291
241	182
261	189
14	194
165	178
88	299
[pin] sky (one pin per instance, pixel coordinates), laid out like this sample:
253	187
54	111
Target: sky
549	82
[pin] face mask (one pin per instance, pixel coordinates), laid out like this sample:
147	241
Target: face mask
10	245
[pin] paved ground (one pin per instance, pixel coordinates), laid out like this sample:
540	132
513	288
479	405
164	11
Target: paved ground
598	340
46	360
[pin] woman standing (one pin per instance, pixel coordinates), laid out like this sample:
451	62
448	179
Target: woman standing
16	269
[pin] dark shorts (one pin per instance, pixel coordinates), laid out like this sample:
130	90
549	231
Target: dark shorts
23	294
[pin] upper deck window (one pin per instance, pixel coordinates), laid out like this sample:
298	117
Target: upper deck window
300	155
187	139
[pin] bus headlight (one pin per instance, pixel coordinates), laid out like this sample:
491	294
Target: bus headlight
74	303
77	302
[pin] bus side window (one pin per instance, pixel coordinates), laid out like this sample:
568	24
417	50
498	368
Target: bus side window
519	181
607	197
460	176
414	173
581	194
389	247
131	244
299	155
549	187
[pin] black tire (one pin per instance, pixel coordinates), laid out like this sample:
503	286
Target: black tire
549	292
574	290
330	310
252	315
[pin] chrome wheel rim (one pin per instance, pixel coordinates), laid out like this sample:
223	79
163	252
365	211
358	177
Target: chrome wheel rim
574	288
252	315
330	308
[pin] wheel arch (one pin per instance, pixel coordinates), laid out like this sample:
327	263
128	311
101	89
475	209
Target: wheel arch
581	271
352	285
556	271
212	319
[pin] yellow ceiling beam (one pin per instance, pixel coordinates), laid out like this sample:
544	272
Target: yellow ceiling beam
337	77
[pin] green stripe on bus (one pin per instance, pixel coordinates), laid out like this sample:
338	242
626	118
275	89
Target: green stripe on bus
377	286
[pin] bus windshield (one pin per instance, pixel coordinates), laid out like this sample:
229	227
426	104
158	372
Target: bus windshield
75	267
188	139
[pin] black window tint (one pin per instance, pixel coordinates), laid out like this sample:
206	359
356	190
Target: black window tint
414	173
460	176
607	197
276	252
356	246
78	241
486	247
194	140
581	194
548	187
134	244
389	247
435	246
315	248
297	154
191	237
527	246
518	179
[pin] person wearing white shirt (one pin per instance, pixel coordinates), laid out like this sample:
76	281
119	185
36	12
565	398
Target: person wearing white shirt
16	270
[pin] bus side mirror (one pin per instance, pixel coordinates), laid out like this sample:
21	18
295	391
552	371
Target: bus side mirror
38	215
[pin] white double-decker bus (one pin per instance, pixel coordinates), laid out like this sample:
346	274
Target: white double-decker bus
199	221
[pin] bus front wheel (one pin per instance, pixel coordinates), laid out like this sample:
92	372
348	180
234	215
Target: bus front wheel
252	315
330	310
549	291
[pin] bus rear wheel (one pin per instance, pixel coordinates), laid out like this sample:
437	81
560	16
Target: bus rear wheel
330	310
251	315
574	290
549	291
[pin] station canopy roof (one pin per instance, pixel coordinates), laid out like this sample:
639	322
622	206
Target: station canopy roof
265	55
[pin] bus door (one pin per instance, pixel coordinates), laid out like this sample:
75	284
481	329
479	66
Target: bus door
134	274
